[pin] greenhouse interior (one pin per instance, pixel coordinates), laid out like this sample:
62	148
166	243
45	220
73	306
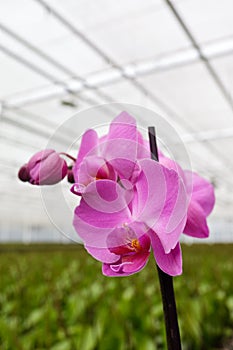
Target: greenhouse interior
75	76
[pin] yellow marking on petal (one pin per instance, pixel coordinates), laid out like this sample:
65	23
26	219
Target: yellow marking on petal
135	244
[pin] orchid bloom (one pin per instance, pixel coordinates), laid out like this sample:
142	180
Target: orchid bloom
44	168
129	203
118	226
112	156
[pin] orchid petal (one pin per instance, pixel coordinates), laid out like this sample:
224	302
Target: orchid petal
161	202
102	254
94	167
203	192
196	225
130	265
88	143
123	127
49	170
120	146
143	148
102	208
170	263
39	156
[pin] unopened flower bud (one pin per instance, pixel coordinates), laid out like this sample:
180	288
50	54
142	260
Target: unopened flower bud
44	168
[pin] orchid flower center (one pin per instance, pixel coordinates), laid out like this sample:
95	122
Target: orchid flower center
135	244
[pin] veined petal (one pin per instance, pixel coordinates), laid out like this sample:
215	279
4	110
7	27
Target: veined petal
40	156
95	167
143	148
50	170
102	208
150	192
203	192
161	202
102	254
196	225
170	263
123	127
121	154
120	146
88	143
171	164
107	197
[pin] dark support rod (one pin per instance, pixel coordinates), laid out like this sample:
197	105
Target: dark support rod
166	282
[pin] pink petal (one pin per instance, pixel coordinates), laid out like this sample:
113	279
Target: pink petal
102	254
170	263
161	202
49	171
102	208
78	189
94	167
123	127
107	197
121	154
196	224
130	265
150	192
203	192
120	146
23	173
174	215
88	143
171	164
143	148
185	175
39	156
92	236
119	239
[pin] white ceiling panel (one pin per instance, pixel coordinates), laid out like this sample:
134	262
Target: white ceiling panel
60	57
194	95
208	19
16	77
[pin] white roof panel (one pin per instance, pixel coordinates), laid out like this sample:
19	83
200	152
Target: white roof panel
58	58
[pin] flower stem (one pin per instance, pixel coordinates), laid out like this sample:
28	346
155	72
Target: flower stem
68	156
166	281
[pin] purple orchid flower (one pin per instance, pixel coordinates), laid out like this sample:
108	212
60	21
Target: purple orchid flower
119	225
201	201
112	156
44	168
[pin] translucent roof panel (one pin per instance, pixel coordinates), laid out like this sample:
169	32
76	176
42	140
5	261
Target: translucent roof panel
20	78
208	19
58	58
200	102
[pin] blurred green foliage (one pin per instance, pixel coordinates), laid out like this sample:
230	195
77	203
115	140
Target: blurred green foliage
55	297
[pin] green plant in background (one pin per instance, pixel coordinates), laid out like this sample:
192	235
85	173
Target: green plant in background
50	298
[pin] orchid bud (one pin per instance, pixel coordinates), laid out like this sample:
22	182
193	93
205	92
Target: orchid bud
70	175
44	168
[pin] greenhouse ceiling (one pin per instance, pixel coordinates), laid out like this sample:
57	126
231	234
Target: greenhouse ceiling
58	58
